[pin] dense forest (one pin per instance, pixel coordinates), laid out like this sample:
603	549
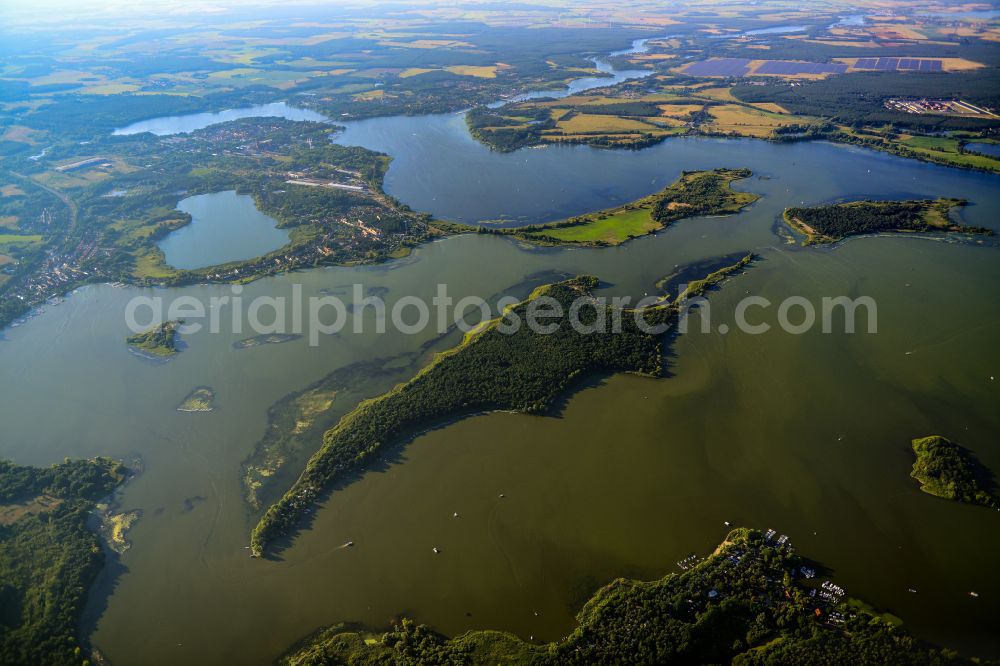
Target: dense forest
702	193
505	134
493	368
48	557
752	602
824	224
947	470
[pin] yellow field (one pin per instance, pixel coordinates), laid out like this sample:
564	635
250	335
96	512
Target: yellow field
720	94
982	32
616	139
677	110
484	72
10	191
959	64
414	71
584	123
370	95
581	100
748	122
897	31
770	106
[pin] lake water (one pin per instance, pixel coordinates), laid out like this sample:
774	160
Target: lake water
991	149
853	20
777	30
195	121
774	30
438	167
225	226
806	434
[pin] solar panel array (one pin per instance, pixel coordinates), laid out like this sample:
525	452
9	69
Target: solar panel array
898	64
719	67
789	67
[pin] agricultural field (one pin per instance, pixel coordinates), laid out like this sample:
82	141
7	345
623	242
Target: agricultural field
747	121
582	123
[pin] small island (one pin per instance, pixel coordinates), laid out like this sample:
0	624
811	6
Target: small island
161	340
695	193
491	369
751	601
947	470
828	224
200	399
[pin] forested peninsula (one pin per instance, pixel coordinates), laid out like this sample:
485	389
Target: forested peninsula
493	368
48	556
753	601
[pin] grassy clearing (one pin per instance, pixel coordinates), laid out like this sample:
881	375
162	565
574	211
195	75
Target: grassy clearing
11	513
946	149
149	263
8	221
614	229
14	243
